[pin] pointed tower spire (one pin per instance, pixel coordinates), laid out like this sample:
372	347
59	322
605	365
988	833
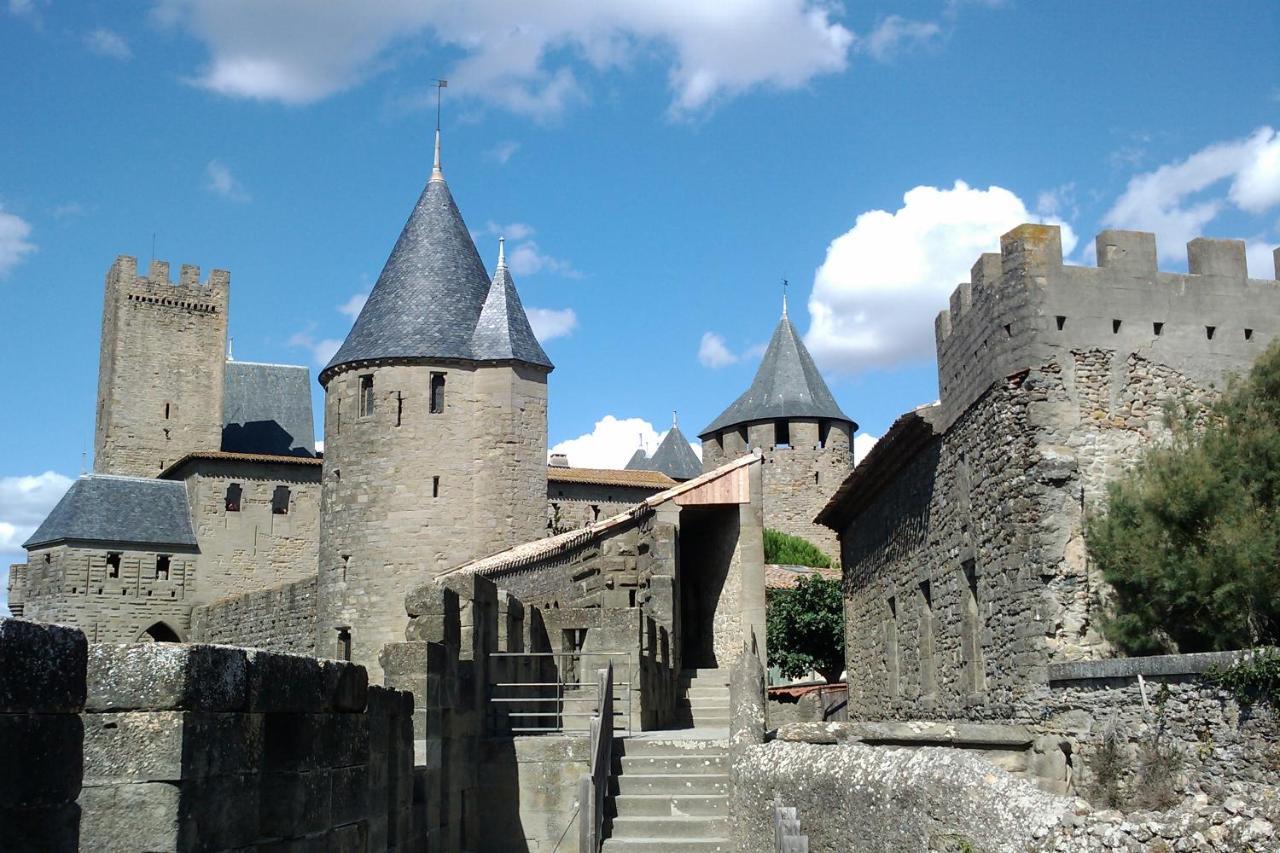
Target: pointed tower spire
675	419
784	299
503	332
436	173
502	253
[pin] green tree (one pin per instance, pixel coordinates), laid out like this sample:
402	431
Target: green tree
805	628
783	549
1190	539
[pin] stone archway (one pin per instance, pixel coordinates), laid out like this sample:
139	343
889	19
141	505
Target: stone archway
160	632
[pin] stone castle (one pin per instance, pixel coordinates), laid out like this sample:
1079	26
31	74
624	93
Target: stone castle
431	637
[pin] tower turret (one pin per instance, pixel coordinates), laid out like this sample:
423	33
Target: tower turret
435	429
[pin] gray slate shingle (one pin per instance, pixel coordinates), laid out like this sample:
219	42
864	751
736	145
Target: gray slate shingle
674	457
787	385
267	409
132	510
503	331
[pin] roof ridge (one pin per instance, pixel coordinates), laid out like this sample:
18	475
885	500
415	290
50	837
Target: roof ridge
267	364
100	476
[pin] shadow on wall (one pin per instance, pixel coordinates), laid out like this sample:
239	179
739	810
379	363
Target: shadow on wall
265	437
707	541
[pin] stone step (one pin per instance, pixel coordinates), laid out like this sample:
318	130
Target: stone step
670	783
703	691
702	704
663	805
699	763
666	845
658	746
670	827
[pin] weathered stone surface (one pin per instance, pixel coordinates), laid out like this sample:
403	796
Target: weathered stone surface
161	676
345	685
42	668
746	701
40	759
285	683
170	746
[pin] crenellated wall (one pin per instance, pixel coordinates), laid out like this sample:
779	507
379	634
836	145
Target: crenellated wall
281	619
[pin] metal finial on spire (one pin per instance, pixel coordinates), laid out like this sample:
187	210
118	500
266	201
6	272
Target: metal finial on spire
502	252
436	173
675	419
231	354
784	297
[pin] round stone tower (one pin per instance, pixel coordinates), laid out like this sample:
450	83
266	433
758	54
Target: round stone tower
435	431
788	414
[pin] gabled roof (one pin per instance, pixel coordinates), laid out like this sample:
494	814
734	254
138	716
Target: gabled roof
428	298
610	477
674	457
127	510
787	385
503	332
266	410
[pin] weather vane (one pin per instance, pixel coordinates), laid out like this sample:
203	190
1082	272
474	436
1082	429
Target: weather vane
784	297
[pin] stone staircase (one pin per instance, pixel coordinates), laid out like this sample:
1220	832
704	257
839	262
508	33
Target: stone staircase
706	699
672	795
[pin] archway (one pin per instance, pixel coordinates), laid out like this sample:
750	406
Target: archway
159	633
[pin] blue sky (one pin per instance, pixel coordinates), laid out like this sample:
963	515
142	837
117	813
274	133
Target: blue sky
656	168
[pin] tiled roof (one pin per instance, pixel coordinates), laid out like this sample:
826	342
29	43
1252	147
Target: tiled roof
610	477
787	385
785	577
134	510
267	409
224	456
503	332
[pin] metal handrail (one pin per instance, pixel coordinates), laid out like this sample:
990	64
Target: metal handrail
594	785
517	701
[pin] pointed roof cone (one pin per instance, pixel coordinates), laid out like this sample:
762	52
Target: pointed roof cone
639	461
503	332
787	385
428	298
675	458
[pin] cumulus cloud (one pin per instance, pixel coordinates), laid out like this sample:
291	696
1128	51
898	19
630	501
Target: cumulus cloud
321	349
713	352
524	255
1179	199
221	182
525	58
354	305
862	444
24	503
895	34
612	442
14	241
885	279
108	43
550	323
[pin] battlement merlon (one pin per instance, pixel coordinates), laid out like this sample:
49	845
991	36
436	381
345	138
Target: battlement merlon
1024	306
157	281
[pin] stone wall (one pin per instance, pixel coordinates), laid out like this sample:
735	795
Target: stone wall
281	619
161	366
71	584
571	506
42	692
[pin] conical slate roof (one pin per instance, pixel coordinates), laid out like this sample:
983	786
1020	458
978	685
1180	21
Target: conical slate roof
503	332
428	300
787	385
675	458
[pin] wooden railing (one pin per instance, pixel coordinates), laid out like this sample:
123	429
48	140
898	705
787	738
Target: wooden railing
594	785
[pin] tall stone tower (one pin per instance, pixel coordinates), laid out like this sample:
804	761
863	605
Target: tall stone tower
788	413
435	430
160	372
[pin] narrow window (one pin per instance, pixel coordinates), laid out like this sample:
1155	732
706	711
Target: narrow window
1158	328
824	434
366	395
1209	330
971	630
337	415
1115	327
437	393
928	667
1008	330
48	558
344	644
162	567
280	501
1062	321
399	408
595	512
816	478
435	487
891	647
166	411
346	563
113	564
782	433
1248	334
233	497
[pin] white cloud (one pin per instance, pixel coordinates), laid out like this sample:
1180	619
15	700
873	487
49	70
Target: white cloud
512	231
713	352
894	34
503	152
883	281
353	306
524	255
521	57
1174	200
321	350
1259	259
68	210
551	323
611	443
14	242
222	182
24	503
108	43
862	444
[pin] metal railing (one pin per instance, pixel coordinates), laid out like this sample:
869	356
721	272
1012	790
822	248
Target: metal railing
594	786
543	693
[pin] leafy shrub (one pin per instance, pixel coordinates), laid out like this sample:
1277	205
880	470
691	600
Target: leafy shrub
787	550
805	628
1253	678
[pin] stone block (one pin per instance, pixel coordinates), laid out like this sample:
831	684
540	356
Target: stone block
41	829
42	668
1206	256
131	817
285	683
163	676
350	740
350	787
345	685
352	838
169	746
40	759
293	742
292	804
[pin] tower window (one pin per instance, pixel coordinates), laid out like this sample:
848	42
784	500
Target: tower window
113	564
166	411
234	492
337	416
399	408
782	434
435	487
1158	328
1062	322
437	393
280	500
366	395
1209	330
344	644
162	567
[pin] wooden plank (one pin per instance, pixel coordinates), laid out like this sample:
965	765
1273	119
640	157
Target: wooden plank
732	488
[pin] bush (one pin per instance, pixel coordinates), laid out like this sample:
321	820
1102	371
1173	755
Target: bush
786	550
1253	678
805	628
1190	540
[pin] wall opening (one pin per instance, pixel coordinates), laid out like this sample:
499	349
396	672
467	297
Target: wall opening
971	630
280	501
337	415
113	564
928	665
824	433
781	434
234	493
435	487
891	647
1248	334
159	633
1158	328
706	543
1209	330
1115	327
166	411
1062	322
162	567
437	393
399	408
344	643
366	395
